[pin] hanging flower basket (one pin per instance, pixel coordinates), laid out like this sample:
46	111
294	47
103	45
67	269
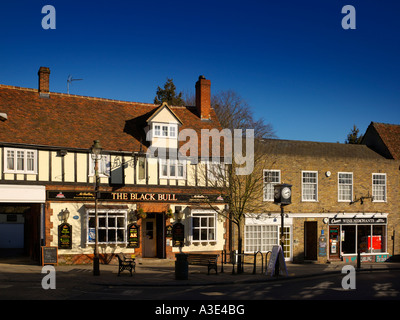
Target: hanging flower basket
169	214
141	214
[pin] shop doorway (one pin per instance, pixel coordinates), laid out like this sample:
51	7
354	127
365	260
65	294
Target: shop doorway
310	240
334	243
20	230
154	236
149	238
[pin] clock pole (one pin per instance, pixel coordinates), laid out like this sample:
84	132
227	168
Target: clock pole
282	226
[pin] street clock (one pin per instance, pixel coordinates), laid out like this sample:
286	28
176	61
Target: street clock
283	194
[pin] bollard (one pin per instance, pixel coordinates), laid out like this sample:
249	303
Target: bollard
181	266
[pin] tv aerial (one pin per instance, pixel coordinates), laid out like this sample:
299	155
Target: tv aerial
69	80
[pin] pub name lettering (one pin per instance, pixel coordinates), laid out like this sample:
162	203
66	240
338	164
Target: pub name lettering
143	196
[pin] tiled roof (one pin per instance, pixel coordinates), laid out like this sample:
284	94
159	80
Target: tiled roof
71	121
318	149
390	135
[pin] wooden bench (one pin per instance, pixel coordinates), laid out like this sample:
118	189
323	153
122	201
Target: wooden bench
202	259
125	264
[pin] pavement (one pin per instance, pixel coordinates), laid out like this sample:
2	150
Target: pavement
155	272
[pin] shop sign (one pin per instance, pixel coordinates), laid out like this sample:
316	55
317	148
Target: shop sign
178	234
64	236
133	236
132	196
357	221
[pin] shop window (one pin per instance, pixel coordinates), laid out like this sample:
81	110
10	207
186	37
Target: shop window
348	238
263	237
369	238
20	161
111	226
378	239
364	238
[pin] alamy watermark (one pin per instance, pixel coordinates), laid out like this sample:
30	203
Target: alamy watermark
49	20
49	280
349	280
231	142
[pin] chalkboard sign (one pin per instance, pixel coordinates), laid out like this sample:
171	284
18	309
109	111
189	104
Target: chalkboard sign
277	253
49	255
178	235
133	236
64	236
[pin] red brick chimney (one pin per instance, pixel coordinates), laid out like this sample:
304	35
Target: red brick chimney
44	79
203	98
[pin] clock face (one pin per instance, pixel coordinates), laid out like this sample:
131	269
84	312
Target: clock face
286	193
276	194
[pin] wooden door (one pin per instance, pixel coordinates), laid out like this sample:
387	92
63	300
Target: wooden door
310	240
149	238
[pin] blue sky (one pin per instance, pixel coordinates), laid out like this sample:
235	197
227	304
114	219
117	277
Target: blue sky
290	60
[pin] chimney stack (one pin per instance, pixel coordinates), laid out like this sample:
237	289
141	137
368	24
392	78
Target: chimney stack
44	79
203	98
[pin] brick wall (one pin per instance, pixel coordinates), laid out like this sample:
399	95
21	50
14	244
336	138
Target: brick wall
291	167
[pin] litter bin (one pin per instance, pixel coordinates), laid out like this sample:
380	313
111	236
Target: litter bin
181	266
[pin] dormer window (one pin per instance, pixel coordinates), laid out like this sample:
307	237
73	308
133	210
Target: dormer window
163	124
165	130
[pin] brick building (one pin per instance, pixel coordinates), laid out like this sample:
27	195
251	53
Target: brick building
47	172
347	193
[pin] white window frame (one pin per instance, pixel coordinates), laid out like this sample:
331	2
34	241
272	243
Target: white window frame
106	213
104	166
25	153
339	186
263	233
176	164
303	184
268	187
205	216
374	189
163	130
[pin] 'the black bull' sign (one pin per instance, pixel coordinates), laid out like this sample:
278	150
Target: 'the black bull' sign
132	196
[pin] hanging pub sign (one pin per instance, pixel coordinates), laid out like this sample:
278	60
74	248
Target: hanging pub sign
64	236
133	236
178	234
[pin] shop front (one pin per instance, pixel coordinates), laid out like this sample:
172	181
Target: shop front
133	223
366	234
21	223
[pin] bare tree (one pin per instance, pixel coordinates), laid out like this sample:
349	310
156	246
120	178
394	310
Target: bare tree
234	113
242	193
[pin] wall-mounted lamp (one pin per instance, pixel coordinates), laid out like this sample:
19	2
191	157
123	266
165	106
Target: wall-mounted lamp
132	216
178	213
65	215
